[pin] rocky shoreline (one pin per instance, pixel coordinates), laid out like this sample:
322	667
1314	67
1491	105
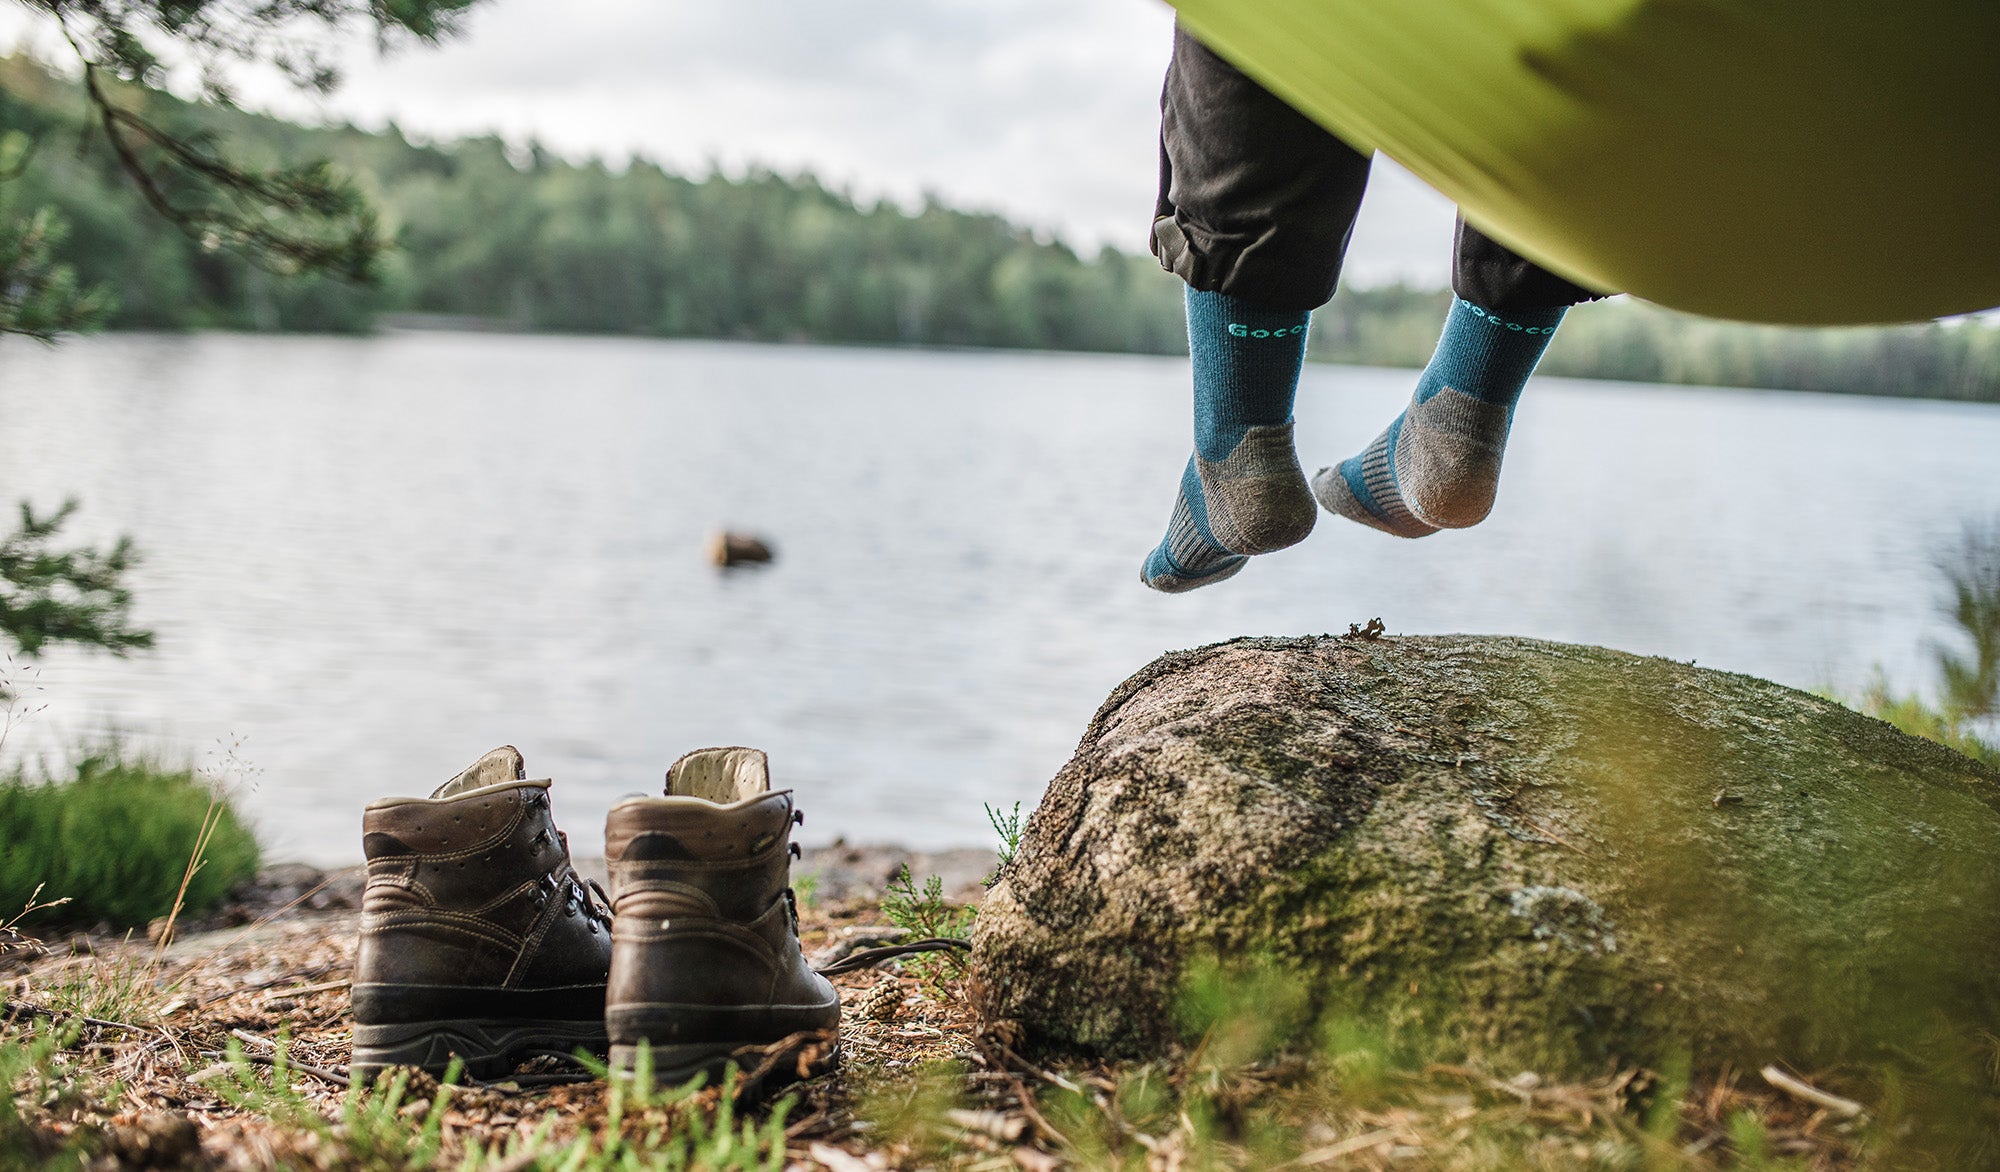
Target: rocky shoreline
838	872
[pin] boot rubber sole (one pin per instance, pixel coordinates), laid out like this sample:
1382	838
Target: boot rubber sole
674	1065
687	1040
489	1047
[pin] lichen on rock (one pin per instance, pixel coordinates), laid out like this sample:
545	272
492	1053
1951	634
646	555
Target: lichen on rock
1569	918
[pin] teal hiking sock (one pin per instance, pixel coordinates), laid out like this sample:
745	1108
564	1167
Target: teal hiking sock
1438	465
1242	491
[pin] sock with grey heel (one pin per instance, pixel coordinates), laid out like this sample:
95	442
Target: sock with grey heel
1438	465
1242	492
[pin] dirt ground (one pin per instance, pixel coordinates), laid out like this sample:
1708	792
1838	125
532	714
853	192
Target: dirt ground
277	976
270	969
287	980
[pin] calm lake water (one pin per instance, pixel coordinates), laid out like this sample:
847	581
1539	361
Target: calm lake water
371	560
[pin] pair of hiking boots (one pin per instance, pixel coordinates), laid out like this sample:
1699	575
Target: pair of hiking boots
480	942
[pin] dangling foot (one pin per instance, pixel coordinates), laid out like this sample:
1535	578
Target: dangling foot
1438	465
1242	492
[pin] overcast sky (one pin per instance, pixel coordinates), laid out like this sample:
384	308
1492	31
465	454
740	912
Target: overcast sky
1044	110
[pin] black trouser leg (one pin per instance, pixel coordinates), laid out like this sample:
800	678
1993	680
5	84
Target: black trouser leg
1493	276
1258	201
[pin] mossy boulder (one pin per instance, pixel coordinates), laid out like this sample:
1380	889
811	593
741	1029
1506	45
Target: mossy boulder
1551	856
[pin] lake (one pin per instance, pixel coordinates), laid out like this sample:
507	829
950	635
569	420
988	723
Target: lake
370	560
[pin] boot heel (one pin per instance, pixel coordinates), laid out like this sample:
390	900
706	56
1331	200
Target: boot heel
705	958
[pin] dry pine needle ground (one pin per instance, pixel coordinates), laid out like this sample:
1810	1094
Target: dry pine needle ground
126	1056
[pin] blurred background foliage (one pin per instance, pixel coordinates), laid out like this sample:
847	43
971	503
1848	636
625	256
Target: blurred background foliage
1966	713
517	238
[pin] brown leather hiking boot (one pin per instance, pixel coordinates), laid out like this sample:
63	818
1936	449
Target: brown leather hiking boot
477	939
705	954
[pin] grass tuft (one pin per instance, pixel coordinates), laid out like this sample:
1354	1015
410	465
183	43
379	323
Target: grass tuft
1008	825
30	1074
114	842
925	913
1967	708
1918	717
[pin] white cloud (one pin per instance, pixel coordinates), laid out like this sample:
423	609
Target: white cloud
1044	110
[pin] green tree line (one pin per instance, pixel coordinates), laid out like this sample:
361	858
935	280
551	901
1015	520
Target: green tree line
522	239
529	241
1633	341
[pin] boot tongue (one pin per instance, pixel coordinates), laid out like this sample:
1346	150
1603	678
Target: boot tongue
720	775
499	767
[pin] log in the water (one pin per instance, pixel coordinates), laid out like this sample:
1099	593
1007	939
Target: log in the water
1546	855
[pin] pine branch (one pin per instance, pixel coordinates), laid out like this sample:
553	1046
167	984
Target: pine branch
50	595
287	220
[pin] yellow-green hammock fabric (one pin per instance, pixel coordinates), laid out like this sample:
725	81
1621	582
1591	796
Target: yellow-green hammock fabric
1808	161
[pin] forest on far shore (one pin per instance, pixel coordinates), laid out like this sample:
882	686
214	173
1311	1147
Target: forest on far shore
523	240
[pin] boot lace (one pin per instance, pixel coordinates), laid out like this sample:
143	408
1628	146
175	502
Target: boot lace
592	892
582	895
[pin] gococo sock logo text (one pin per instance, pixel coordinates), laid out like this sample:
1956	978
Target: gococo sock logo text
1497	320
1238	329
